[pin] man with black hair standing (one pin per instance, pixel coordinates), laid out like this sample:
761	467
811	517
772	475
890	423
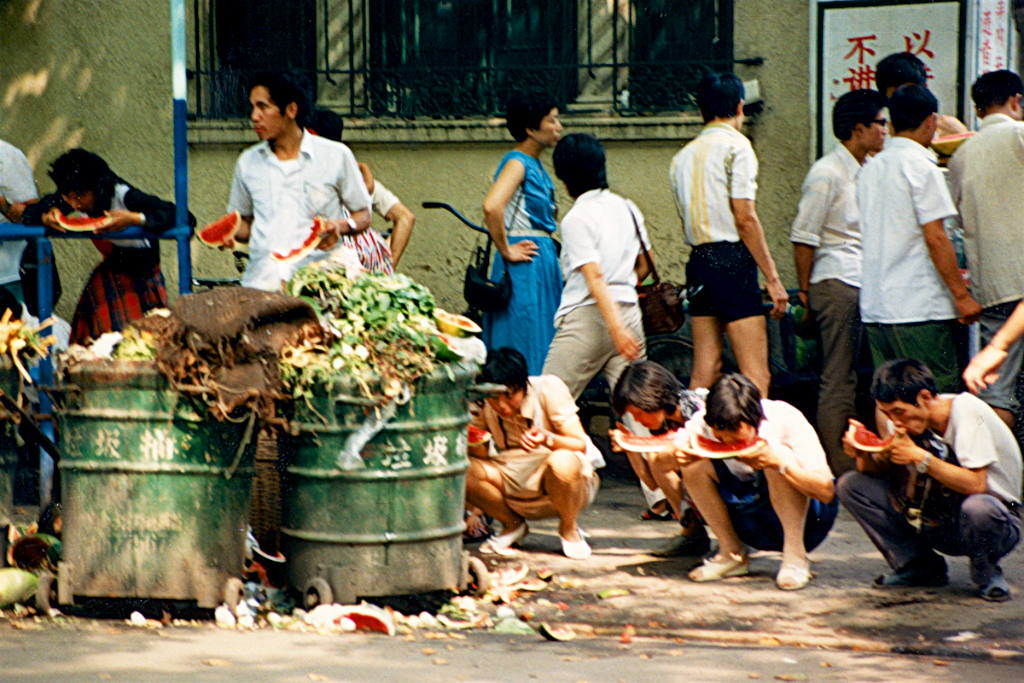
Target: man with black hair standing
903	68
714	181
986	176
967	467
17	188
826	248
912	293
287	180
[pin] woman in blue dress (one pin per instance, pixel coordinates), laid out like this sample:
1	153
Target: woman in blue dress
519	212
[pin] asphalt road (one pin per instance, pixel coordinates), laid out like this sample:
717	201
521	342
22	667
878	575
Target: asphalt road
111	651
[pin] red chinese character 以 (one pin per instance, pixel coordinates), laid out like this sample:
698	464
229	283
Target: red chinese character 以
859	48
918	44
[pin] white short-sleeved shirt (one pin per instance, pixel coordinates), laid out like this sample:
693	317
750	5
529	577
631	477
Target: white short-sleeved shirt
17	184
898	192
787	432
284	197
710	171
599	229
828	219
383	199
986	176
980	439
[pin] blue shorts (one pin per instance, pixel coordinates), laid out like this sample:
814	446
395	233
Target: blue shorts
754	519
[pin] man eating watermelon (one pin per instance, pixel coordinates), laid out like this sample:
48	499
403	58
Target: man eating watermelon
772	490
968	464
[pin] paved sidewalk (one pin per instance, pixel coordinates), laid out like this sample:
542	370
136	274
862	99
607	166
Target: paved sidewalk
839	608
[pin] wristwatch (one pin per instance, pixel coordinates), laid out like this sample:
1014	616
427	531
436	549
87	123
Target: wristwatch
351	224
922	467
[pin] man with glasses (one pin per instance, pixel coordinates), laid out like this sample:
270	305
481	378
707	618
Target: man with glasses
986	176
826	248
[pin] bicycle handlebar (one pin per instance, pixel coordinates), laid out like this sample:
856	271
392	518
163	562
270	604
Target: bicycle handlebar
455	212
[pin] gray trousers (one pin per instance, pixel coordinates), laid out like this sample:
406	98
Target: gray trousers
984	532
836	308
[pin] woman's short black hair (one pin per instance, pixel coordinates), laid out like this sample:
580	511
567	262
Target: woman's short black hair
856	106
580	163
733	400
648	387
284	88
910	106
902	380
526	110
900	68
506	366
718	95
78	170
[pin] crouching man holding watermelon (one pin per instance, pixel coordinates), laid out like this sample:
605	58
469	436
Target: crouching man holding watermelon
757	473
948	480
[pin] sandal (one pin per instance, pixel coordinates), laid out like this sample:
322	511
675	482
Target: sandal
650	515
501	544
793	577
720	567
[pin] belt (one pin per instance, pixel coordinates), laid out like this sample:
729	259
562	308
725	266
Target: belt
529	232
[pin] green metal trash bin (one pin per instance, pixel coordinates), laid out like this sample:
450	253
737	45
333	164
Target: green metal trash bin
155	492
389	521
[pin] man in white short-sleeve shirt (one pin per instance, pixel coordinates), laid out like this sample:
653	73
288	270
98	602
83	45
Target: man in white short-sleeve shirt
826	249
17	186
287	180
714	181
965	459
986	176
912	293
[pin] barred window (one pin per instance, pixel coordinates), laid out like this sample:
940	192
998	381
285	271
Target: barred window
460	58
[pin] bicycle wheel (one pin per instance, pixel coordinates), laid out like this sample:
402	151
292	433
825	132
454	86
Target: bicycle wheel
674	353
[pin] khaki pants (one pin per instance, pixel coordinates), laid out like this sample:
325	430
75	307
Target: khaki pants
582	347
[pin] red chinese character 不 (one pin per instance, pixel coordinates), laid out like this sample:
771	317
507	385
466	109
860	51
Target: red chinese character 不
861	77
859	48
918	44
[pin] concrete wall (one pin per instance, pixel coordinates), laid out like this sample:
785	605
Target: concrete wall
94	74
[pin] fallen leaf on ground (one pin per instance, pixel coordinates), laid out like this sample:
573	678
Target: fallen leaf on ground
440	662
429	651
612	593
791	677
645	656
216	662
563	606
940	662
755	676
768	642
317	677
826	664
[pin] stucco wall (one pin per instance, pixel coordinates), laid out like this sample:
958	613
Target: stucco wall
64	84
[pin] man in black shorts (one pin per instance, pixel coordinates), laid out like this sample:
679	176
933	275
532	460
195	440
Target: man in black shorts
714	180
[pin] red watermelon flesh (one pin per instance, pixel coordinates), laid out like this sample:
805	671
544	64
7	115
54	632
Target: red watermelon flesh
635	443
369	618
221	230
709	448
316	233
477	436
865	440
82	223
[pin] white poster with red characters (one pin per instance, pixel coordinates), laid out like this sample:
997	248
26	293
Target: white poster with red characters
853	36
993	36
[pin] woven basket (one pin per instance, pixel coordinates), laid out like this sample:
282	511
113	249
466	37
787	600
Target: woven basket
265	511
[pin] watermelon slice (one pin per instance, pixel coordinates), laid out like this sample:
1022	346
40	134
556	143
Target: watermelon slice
477	436
556	633
455	325
866	440
635	443
221	230
82	223
316	233
704	447
368	618
948	144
